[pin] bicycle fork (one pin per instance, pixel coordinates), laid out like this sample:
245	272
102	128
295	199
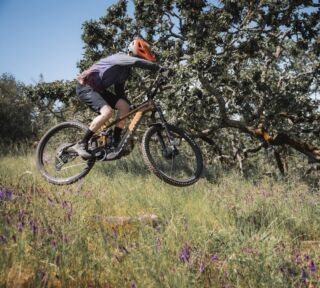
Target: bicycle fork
167	152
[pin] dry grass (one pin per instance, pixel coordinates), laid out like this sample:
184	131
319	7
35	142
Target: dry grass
230	232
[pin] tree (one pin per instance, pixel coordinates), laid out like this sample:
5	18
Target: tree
56	102
242	67
16	111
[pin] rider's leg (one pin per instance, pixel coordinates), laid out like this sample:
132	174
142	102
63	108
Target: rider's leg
98	104
123	108
105	115
97	122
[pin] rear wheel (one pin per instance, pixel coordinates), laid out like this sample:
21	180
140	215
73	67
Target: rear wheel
177	161
56	161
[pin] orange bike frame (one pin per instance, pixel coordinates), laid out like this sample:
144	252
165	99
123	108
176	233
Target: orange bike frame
138	113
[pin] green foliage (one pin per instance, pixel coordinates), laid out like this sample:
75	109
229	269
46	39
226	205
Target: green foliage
56	102
16	112
239	64
63	91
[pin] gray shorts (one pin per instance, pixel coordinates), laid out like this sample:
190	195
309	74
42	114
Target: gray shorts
97	100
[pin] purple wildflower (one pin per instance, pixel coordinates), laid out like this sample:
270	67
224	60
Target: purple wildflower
64	204
8	195
3	239
20	226
5	194
202	267
306	257
312	267
133	284
185	253
214	257
40	274
34	227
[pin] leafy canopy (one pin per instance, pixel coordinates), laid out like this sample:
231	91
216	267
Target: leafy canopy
248	66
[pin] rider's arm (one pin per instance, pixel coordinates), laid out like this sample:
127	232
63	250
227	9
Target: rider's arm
127	60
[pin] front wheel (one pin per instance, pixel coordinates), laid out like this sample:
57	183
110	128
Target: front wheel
55	161
177	161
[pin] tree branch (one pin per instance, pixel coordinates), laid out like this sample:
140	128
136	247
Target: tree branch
173	34
311	151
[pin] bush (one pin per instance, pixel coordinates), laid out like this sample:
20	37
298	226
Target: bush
16	111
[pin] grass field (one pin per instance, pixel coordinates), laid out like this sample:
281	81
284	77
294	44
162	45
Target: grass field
223	231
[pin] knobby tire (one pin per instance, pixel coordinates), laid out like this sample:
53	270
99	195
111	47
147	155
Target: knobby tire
40	154
149	159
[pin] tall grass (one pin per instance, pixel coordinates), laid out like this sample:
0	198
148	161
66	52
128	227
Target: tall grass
223	231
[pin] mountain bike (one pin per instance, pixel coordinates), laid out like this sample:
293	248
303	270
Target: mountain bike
168	151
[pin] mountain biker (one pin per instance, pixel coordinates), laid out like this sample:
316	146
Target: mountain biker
93	84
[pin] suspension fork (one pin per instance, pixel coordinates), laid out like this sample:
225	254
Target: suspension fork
164	124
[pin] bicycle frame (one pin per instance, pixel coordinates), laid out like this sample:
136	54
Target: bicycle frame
138	112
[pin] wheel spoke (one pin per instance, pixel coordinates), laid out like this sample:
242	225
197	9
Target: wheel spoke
179	161
56	162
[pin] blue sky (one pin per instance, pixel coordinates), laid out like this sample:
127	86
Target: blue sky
44	36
